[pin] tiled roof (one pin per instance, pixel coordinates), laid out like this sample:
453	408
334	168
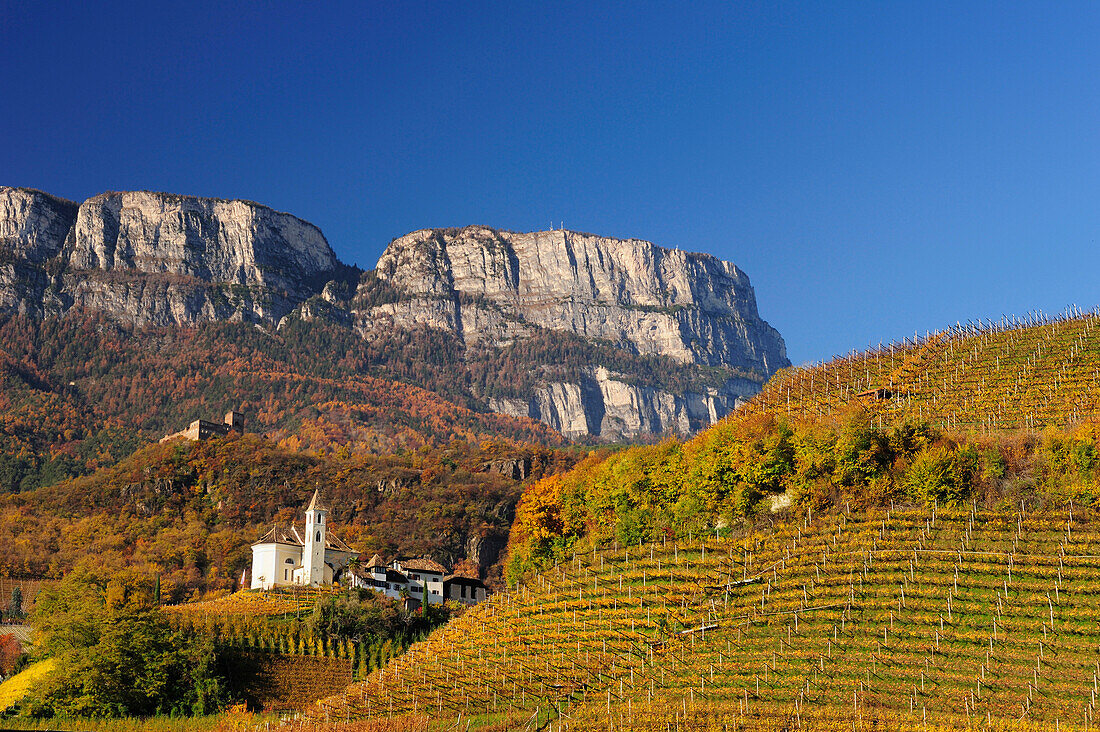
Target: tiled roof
392	575
332	541
423	564
376	561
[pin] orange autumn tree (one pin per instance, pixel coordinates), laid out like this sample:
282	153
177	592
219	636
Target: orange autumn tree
10	651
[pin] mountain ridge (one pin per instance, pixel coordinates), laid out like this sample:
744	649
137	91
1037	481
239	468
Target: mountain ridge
161	259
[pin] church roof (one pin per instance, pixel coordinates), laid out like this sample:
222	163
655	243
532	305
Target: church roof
335	542
291	535
280	535
317	503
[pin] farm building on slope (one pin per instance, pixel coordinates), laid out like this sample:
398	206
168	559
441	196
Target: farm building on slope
418	581
290	557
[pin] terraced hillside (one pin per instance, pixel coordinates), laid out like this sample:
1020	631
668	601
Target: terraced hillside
995	376
895	619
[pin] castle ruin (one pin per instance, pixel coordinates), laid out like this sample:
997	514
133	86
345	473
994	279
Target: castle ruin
200	429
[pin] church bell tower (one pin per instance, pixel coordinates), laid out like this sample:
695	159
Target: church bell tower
313	554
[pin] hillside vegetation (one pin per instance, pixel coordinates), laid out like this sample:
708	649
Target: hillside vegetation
188	511
886	619
992	414
995	376
738	472
860	560
81	392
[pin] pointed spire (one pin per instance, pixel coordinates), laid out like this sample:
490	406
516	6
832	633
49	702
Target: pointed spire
317	503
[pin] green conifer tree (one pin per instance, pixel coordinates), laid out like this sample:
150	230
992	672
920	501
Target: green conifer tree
15	608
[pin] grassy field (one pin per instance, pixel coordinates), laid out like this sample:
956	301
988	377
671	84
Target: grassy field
993	376
895	619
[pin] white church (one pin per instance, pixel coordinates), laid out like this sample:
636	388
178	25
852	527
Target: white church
286	556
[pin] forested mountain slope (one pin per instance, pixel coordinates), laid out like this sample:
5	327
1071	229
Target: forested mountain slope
83	392
188	511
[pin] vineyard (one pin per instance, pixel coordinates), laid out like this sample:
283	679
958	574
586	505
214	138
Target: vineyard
249	604
267	622
276	682
1011	374
907	618
27	587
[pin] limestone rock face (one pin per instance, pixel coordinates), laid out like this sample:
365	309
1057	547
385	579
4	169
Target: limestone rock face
210	239
33	227
157	258
493	288
656	339
694	308
606	405
33	224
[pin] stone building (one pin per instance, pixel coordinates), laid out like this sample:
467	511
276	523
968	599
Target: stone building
200	429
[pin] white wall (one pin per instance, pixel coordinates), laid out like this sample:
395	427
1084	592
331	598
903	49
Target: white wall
269	561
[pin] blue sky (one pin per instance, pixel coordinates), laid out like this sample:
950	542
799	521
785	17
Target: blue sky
876	168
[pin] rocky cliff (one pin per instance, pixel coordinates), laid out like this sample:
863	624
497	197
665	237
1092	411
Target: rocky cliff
33	228
156	258
493	288
594	336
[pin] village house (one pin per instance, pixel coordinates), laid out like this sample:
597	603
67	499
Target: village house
200	429
312	557
417	581
465	590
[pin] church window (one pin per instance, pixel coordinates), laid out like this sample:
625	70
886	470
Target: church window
286	574
318	536
289	561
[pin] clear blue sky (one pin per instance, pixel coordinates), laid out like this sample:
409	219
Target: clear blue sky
876	168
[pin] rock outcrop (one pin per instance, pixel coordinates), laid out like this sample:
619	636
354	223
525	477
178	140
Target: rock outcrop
157	258
33	229
493	288
605	404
